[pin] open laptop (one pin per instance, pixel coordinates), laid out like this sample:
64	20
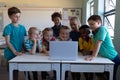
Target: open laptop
63	50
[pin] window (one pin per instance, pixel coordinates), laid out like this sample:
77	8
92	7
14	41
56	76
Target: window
91	8
109	16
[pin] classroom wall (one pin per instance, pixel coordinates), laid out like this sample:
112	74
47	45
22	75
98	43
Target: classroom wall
44	3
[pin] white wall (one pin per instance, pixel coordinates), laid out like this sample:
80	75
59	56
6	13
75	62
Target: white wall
39	17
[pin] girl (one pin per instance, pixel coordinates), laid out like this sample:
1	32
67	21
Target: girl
47	37
74	24
74	35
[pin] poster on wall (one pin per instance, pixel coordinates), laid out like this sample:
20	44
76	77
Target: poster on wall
70	12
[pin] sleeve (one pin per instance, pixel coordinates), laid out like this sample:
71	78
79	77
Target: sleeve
24	30
102	33
80	44
6	31
28	45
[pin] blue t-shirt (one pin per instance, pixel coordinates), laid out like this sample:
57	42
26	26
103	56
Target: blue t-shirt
56	30
107	48
16	39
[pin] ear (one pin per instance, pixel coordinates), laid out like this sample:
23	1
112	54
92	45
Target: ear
99	22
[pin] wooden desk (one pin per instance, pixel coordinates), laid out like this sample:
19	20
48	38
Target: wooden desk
99	64
27	62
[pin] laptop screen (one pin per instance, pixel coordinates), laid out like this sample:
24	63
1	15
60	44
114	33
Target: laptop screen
64	50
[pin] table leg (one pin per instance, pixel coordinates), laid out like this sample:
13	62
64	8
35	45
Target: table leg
56	67
12	67
65	67
110	69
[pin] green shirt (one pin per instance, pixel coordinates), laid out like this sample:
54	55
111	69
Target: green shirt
16	39
107	48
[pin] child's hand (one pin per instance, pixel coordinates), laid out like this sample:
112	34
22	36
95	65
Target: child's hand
90	58
47	53
34	40
84	52
18	53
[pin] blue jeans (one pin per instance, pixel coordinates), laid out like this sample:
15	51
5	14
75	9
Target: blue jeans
117	63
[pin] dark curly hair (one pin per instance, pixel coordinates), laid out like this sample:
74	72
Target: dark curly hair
56	14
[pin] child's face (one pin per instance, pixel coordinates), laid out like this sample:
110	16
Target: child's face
57	21
35	35
74	25
84	33
64	34
15	17
94	24
48	35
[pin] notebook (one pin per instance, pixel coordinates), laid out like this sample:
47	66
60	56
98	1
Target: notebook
63	50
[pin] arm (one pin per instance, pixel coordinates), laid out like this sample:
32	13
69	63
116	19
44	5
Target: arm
33	49
7	39
95	51
40	46
45	51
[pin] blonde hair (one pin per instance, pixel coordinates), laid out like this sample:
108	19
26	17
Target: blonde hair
64	28
32	29
76	19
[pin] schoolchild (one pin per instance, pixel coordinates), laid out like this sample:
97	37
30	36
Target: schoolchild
47	37
86	45
14	36
74	35
103	43
74	24
56	18
34	44
64	35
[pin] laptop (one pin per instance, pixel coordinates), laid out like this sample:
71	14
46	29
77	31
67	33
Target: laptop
63	50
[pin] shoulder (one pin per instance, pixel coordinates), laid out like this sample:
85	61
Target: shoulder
28	41
102	30
7	30
21	26
8	26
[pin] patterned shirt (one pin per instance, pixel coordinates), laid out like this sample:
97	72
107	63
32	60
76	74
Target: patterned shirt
29	44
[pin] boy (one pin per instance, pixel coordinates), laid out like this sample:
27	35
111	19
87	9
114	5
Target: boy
14	36
56	18
64	34
103	42
86	45
34	44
